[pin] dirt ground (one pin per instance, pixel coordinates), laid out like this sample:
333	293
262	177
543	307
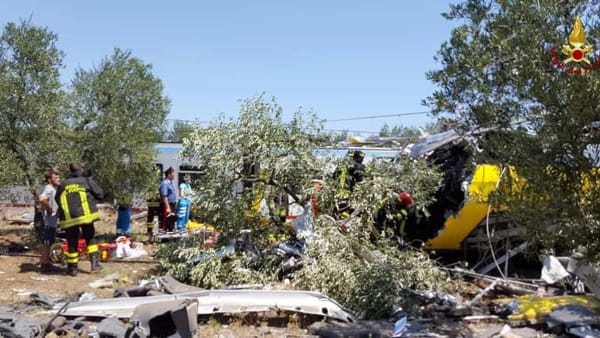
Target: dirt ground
20	276
19	272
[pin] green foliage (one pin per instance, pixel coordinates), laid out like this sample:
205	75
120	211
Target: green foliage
439	125
118	109
366	277
398	131
177	130
113	112
336	137
368	280
211	269
31	126
281	154
382	177
218	272
497	70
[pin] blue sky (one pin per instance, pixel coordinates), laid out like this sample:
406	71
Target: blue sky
342	59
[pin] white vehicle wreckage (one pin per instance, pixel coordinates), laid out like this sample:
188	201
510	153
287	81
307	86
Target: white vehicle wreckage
176	313
219	301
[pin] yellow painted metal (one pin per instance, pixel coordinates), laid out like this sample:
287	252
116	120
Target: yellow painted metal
533	307
193	225
459	226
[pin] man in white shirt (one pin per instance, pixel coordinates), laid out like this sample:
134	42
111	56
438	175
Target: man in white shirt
47	232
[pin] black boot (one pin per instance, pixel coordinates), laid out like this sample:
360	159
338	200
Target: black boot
72	269
95	262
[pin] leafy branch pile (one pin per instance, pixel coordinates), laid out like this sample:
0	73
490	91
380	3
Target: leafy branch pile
366	279
249	164
210	269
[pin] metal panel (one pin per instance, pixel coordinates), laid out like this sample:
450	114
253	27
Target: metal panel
220	301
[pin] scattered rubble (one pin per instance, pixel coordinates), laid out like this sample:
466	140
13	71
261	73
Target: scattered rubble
168	318
14	248
551	306
22	219
105	282
165	307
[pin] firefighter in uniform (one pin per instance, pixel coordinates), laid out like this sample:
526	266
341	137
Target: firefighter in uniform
351	172
392	215
76	197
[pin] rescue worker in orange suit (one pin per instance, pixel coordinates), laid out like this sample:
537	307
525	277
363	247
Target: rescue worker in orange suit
351	172
392	216
77	210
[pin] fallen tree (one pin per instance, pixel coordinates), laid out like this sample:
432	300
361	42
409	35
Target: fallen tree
371	281
249	164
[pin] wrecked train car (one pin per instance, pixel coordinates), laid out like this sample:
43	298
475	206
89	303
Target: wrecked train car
461	214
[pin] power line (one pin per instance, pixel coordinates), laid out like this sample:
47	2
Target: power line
328	120
378	116
334	120
351	131
186	121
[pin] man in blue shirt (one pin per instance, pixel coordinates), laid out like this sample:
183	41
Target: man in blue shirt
167	201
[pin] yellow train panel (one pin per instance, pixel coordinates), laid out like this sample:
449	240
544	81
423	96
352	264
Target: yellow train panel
459	226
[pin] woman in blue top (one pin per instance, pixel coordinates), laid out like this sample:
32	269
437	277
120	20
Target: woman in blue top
185	188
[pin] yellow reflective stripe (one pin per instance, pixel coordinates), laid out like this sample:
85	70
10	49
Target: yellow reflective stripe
343	175
382	203
92	248
258	197
402	220
401	214
72	257
375	231
86	219
402	232
65	205
149	225
85	205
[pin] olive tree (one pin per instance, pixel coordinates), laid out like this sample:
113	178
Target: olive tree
528	70
117	110
32	131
